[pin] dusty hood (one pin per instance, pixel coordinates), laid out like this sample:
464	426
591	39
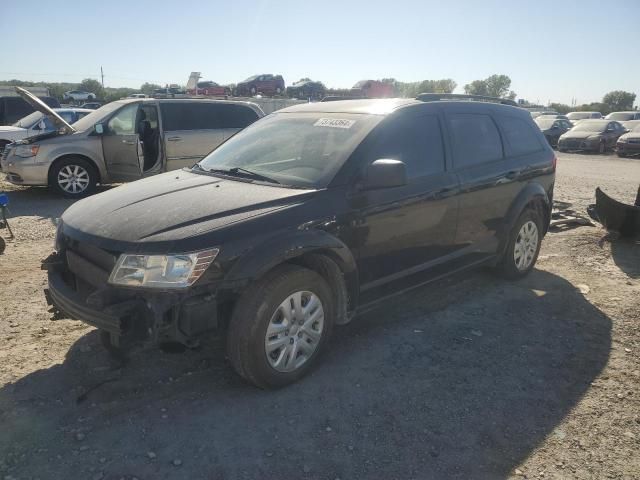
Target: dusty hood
580	135
42	107
174	206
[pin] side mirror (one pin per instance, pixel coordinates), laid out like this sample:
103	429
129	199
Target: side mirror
385	173
98	128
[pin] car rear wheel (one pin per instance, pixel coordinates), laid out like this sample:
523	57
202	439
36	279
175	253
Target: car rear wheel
280	326
253	91
278	90
73	177
523	246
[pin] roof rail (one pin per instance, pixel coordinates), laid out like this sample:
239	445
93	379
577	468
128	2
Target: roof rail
436	97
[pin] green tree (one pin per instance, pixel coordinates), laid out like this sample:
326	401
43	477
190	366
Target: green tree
493	86
619	100
93	86
560	107
148	88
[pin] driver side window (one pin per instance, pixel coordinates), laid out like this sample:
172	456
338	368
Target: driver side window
123	122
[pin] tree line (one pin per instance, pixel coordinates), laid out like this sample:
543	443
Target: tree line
497	85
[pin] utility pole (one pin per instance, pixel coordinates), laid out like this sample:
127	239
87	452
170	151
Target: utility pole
102	76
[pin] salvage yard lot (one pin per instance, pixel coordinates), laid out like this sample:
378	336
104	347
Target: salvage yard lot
474	377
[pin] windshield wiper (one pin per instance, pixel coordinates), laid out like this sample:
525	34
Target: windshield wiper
245	173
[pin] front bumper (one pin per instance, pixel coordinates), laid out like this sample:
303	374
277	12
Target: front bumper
25	171
578	145
628	148
78	289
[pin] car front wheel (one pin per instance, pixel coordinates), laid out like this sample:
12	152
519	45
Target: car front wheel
73	177
279	326
523	246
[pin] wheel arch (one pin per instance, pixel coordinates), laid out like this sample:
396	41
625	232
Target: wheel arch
534	197
316	250
65	156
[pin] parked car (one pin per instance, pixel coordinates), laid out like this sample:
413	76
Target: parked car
536	114
300	221
553	115
307	89
14	108
552	128
210	88
629	143
37	123
373	89
137	95
124	140
630	124
577	116
169	92
624	116
591	135
91	105
266	84
78	95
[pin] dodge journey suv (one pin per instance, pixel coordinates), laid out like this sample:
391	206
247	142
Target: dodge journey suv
122	141
300	221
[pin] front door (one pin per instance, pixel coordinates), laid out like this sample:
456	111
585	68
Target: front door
121	145
406	229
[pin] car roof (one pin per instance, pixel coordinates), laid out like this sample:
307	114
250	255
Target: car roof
70	109
376	106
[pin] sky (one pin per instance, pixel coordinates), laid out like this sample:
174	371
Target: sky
558	51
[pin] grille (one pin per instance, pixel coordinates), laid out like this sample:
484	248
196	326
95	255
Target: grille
634	140
89	263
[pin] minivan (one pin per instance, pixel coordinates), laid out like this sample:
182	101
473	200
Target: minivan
123	141
301	221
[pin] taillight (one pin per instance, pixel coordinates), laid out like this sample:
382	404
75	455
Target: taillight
555	162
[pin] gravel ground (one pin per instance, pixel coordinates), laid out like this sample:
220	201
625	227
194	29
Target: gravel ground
473	377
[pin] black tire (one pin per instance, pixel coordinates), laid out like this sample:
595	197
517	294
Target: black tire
278	91
3	144
73	161
508	266
622	154
90	97
3	245
251	318
253	91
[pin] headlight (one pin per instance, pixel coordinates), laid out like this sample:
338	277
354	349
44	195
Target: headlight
26	151
161	271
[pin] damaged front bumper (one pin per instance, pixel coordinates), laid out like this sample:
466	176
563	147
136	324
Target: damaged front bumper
78	290
618	216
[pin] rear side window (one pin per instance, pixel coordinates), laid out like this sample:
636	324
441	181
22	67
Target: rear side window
519	136
416	141
205	116
236	116
475	139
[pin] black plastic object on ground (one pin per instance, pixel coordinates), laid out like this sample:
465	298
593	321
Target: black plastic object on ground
618	216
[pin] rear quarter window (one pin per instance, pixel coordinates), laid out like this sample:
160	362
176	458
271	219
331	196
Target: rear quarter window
519	136
475	139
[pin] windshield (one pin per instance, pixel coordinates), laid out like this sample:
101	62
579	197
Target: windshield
591	126
545	122
579	115
620	116
96	116
298	149
29	120
250	79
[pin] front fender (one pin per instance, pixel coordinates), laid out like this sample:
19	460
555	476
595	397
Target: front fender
259	260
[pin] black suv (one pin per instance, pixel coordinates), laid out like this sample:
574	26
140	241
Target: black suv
301	220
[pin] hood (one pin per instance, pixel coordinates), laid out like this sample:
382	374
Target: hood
581	135
42	107
629	135
175	206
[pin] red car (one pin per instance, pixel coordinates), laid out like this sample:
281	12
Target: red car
209	88
266	84
373	89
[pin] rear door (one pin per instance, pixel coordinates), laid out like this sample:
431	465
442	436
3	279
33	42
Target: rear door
407	229
190	131
121	145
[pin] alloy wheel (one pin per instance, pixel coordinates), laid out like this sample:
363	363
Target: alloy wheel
73	179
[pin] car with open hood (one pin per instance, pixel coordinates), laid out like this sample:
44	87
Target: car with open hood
122	141
37	123
553	128
300	221
591	135
628	144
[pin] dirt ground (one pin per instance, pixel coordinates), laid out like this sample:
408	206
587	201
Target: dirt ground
474	377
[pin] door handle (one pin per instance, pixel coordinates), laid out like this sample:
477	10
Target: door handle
174	139
129	142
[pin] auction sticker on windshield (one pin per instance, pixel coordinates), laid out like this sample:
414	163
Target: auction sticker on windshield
334	123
